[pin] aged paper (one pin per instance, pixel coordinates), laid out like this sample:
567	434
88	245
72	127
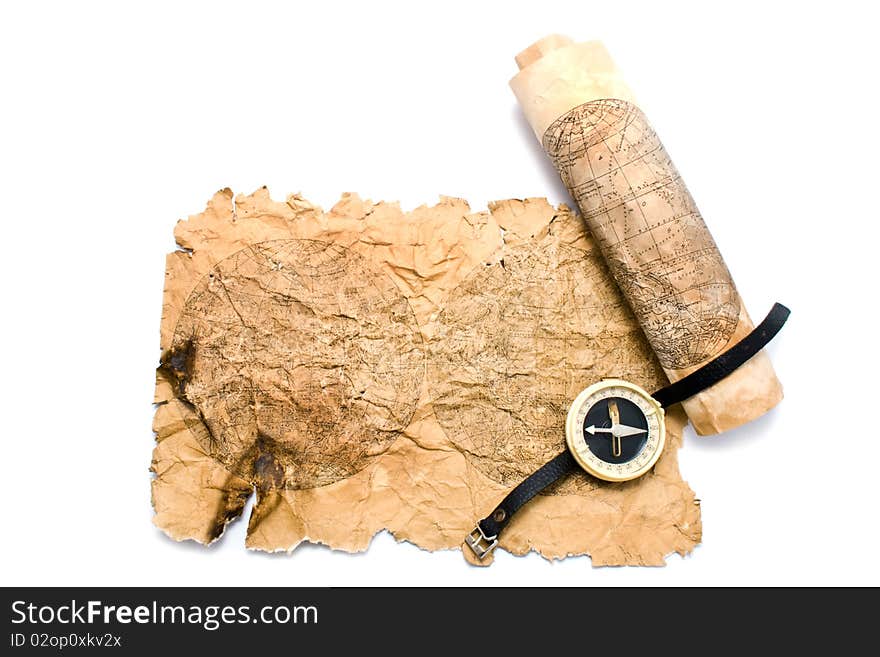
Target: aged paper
366	368
646	223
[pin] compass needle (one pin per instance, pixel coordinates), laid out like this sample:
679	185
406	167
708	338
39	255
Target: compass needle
593	430
623	431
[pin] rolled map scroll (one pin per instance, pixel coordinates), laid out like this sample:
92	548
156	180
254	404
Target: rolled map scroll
637	207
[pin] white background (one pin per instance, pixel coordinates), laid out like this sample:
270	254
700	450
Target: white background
116	120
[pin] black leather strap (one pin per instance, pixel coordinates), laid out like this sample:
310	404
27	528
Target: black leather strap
536	482
725	364
484	537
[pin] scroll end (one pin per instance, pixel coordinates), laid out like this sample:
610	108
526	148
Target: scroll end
540	48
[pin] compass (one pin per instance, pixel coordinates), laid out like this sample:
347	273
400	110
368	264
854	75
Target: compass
615	430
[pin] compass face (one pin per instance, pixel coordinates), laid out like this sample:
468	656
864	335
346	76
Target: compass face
615	430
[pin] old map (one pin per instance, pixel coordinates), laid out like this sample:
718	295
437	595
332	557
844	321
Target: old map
658	247
515	343
366	369
293	348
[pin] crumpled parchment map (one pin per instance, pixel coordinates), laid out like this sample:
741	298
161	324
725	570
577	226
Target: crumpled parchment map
366	368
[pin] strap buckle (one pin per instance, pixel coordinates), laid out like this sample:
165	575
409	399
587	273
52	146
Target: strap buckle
480	543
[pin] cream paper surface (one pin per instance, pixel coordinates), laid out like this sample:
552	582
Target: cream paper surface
645	222
365	369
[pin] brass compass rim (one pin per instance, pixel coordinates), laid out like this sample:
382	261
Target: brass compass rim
577	444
